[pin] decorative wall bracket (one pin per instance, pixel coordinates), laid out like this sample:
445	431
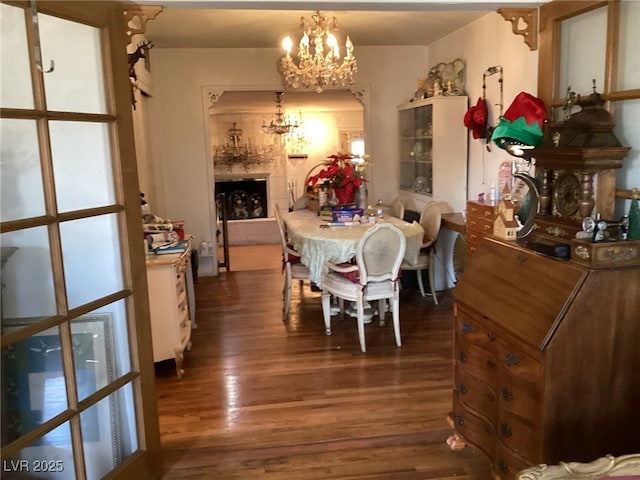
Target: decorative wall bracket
524	21
135	21
136	18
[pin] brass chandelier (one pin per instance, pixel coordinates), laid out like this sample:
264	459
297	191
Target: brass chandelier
315	67
233	152
279	124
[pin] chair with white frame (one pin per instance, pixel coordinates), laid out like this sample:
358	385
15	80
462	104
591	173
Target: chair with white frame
374	276
292	268
398	208
430	219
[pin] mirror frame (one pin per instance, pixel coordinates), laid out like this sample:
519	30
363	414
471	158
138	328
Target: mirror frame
551	16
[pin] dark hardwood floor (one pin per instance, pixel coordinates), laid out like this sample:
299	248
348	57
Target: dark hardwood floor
262	398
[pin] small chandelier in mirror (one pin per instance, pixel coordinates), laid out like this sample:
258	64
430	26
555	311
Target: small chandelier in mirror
280	124
316	68
233	152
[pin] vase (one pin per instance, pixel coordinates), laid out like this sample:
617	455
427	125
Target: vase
346	194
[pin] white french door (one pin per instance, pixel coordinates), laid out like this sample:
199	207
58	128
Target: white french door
77	393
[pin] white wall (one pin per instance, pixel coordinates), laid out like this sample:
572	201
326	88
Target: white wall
484	43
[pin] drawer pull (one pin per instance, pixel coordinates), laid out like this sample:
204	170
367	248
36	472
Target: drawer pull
505	430
467	328
510	360
502	465
506	394
462	388
491	336
487	227
459	419
463	357
487	213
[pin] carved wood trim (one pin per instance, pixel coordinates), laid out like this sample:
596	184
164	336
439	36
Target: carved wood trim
524	21
607	466
631	193
136	18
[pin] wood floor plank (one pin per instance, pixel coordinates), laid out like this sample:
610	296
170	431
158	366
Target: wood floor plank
267	398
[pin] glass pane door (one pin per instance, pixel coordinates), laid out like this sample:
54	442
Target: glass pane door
71	378
416	142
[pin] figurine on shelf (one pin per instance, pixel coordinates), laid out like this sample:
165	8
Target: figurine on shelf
437	89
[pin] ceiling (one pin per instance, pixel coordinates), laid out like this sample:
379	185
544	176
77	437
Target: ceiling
206	28
194	24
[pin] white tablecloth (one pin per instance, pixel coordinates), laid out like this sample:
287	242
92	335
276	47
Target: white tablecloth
338	244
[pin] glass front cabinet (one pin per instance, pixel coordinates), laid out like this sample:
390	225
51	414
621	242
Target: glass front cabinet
433	149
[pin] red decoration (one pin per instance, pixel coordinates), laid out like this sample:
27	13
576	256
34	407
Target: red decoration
346	194
531	108
476	119
339	172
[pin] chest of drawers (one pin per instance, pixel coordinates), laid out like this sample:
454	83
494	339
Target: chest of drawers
171	304
546	359
480	218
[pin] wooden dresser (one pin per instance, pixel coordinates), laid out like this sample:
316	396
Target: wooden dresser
172	305
547	358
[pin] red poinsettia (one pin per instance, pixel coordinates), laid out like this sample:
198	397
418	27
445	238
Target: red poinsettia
339	172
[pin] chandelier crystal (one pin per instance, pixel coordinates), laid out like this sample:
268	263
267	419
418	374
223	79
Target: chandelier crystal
315	67
280	124
234	153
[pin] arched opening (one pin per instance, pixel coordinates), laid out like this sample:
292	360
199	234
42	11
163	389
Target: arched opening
329	122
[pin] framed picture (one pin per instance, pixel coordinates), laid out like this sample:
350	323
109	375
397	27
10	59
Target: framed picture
36	388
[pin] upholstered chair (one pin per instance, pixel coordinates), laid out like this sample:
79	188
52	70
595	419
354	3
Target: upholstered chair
398	208
373	276
291	266
430	220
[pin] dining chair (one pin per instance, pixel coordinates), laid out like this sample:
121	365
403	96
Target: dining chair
430	220
374	276
398	208
291	266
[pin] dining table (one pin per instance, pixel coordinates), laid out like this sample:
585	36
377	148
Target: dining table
319	239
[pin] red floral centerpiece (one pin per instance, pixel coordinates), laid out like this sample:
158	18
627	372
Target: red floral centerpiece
341	175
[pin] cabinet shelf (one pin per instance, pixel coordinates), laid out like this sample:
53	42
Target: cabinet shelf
433	149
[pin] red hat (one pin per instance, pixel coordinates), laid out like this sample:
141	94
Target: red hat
531	108
523	122
476	119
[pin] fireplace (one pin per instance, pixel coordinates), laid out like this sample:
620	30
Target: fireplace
243	198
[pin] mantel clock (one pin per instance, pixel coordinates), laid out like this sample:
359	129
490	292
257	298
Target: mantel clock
576	167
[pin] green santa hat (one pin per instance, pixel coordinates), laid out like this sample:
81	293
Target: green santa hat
522	123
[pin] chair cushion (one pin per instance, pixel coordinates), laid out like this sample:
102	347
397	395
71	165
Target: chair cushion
428	249
354	275
292	258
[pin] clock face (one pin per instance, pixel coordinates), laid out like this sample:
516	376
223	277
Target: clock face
566	194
